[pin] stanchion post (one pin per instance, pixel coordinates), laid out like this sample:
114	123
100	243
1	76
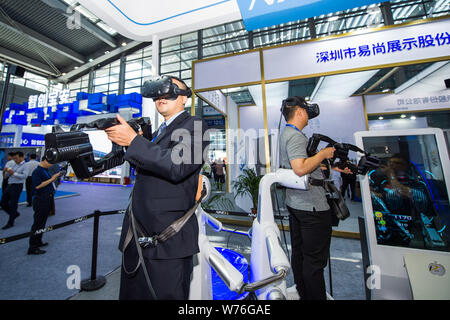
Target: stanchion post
95	282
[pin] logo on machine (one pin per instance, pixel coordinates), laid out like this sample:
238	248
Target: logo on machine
436	269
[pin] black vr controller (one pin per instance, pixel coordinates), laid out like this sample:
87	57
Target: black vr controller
74	146
340	158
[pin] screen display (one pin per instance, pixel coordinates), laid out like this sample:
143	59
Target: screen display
101	146
408	192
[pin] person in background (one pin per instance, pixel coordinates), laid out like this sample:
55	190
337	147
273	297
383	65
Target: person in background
9	164
348	180
206	170
53	170
31	165
43	191
220	177
17	176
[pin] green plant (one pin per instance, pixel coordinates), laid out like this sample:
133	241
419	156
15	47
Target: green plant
248	184
218	201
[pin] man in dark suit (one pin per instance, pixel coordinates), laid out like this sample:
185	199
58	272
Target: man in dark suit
168	168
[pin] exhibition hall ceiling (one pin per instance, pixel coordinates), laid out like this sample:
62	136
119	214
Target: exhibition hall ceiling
52	37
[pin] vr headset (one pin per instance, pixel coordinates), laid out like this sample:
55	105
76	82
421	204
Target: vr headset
312	109
163	88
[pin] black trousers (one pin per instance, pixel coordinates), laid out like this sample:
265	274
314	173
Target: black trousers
42	206
345	184
310	240
170	278
29	188
4	185
10	200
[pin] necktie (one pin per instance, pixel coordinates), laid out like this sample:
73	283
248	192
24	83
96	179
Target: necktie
161	129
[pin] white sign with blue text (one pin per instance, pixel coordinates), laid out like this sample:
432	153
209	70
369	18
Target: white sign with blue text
393	103
384	47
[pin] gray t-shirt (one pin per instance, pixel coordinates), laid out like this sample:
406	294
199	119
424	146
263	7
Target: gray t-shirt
293	145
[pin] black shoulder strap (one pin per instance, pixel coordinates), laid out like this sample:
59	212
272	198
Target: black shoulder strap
130	234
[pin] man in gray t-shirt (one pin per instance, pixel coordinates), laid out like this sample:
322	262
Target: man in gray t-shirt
293	146
310	217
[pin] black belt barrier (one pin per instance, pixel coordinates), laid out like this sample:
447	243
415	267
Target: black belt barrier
95	281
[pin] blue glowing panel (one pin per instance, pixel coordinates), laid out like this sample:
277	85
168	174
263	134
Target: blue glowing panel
219	288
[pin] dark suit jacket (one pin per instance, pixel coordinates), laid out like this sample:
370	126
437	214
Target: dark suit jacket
166	184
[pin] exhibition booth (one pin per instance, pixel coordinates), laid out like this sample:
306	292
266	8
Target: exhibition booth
331	72
384	98
328	71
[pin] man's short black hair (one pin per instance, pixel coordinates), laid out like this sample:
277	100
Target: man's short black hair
33	156
12	154
19	153
290	105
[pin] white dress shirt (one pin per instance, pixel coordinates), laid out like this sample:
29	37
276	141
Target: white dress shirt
31	165
20	173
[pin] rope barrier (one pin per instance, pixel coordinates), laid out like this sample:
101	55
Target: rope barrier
58	226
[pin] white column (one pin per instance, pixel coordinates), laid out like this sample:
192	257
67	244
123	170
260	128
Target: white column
158	119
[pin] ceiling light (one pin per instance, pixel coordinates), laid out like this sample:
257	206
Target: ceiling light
340	86
380	118
385	90
413	118
75	68
64	73
124	44
107	51
90	60
403	116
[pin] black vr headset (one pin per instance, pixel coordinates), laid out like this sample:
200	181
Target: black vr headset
312	109
163	88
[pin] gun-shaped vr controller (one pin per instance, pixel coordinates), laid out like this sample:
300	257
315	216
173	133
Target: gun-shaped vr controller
340	158
74	146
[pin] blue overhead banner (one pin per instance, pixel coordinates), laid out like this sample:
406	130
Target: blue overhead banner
258	14
56	108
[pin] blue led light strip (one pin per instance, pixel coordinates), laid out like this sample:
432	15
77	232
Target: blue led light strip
168	18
